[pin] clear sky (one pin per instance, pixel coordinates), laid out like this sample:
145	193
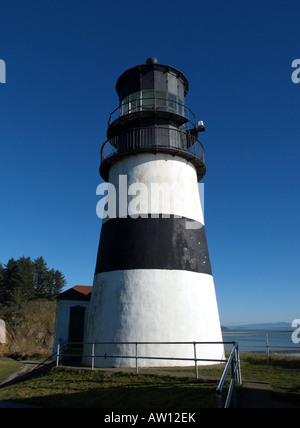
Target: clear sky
62	62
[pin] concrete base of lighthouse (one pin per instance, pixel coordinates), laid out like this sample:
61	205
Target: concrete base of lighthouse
153	306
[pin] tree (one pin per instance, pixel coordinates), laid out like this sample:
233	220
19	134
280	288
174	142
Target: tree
26	283
23	280
1	282
18	282
59	283
41	276
11	279
48	283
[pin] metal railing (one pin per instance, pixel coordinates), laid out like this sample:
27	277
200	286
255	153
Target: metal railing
233	361
234	364
152	104
263	341
153	138
63	347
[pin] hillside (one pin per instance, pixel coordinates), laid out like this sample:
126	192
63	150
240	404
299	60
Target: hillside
261	326
30	333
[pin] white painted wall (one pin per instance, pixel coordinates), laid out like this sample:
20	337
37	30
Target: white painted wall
63	318
154	305
160	169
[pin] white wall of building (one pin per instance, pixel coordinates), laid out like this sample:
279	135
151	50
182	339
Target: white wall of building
63	318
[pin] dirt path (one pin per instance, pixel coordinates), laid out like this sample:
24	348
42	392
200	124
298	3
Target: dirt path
26	367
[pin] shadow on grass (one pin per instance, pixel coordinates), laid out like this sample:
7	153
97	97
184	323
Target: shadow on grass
122	398
85	389
288	397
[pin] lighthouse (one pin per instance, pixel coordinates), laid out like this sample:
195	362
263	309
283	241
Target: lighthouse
153	283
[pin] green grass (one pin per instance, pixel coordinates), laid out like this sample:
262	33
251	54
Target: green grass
160	388
7	368
75	388
283	375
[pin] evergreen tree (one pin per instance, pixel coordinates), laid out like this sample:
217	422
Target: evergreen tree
11	279
27	283
59	283
23	280
41	277
18	280
1	282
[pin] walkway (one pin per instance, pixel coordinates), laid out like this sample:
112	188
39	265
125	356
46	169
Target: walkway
257	395
22	373
24	370
13	405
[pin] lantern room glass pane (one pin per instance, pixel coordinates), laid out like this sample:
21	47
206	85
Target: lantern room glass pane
151	100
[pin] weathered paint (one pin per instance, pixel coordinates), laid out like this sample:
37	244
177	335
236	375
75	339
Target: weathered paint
154	305
164	172
142	302
153	243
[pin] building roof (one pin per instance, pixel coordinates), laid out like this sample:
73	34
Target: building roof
78	292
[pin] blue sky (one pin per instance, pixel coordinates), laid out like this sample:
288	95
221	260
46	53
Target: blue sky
63	59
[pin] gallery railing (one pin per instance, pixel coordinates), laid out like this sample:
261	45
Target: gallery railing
153	104
153	138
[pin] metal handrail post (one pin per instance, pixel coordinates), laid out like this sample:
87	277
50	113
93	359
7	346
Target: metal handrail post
93	356
233	363
196	362
58	354
233	377
136	358
219	399
239	372
268	347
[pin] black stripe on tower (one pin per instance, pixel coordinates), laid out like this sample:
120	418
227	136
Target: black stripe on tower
153	243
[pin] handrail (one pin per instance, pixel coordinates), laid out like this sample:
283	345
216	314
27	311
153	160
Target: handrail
268	345
154	139
233	363
92	355
142	138
139	107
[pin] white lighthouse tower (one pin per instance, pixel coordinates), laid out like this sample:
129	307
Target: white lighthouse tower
153	280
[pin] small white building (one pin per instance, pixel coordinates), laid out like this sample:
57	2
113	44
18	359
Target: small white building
72	314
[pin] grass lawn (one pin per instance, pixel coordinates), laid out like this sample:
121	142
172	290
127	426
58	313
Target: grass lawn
162	388
75	388
7	368
283	375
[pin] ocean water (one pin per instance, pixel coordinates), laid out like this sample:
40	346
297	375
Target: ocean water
279	342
